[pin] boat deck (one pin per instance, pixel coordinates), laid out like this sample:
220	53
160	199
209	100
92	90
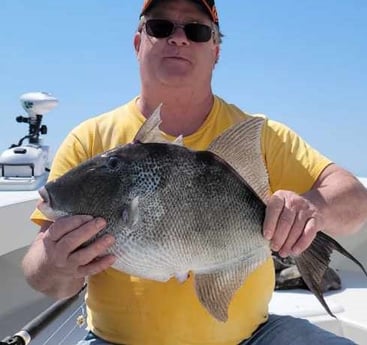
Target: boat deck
346	304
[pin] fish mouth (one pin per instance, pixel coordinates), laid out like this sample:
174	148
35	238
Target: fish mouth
44	205
44	195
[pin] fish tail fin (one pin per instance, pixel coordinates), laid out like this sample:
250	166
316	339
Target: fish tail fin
314	262
343	251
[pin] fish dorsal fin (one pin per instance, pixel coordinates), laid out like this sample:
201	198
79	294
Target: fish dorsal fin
179	141
240	147
215	289
149	132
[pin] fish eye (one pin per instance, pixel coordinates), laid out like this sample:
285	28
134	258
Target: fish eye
113	163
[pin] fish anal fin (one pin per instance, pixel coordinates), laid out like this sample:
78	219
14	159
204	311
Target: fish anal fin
216	289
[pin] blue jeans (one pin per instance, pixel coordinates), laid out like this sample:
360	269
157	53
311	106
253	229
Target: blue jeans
278	330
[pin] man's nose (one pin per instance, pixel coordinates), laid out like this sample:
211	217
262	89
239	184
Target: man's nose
179	38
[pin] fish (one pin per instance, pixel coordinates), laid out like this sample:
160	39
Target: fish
175	211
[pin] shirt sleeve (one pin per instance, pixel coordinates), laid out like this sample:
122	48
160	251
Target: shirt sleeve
291	162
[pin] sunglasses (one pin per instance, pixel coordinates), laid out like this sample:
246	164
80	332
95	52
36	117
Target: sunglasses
163	28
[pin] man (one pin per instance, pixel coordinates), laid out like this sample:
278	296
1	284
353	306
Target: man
177	46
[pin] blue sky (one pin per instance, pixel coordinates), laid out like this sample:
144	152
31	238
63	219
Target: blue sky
300	62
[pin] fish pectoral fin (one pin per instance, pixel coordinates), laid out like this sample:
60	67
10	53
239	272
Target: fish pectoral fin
130	214
216	289
313	263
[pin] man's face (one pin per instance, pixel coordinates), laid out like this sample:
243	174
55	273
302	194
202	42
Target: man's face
176	60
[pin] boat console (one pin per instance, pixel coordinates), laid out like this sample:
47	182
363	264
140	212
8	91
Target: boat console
25	166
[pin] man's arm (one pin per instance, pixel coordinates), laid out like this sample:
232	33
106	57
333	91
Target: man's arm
57	265
336	204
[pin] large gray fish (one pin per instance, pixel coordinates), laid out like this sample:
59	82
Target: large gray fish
173	211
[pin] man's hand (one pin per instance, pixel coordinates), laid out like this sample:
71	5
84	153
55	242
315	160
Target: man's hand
291	223
64	238
57	262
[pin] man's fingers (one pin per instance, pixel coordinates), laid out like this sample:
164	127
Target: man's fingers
96	249
72	240
64	225
273	211
308	235
96	266
285	224
294	233
79	236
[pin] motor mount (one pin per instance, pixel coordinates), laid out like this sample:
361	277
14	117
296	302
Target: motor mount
25	167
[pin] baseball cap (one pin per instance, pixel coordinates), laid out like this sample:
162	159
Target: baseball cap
207	5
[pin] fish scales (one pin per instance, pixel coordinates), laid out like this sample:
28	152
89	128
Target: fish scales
184	222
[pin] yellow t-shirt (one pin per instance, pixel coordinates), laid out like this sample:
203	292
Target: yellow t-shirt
128	310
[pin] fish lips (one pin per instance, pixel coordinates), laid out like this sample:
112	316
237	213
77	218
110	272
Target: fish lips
45	198
44	205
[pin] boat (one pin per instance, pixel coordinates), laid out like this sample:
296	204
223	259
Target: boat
24	169
27	316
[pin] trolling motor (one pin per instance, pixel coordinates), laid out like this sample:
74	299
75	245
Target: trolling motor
25	167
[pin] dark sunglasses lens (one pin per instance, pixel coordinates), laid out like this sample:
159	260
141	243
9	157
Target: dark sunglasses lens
162	28
198	32
159	28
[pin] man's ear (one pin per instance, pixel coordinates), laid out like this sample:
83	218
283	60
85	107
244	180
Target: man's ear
217	53
137	41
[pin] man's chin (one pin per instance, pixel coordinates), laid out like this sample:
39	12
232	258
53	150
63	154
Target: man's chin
177	72
177	80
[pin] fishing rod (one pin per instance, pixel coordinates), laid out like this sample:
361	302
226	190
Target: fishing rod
32	328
